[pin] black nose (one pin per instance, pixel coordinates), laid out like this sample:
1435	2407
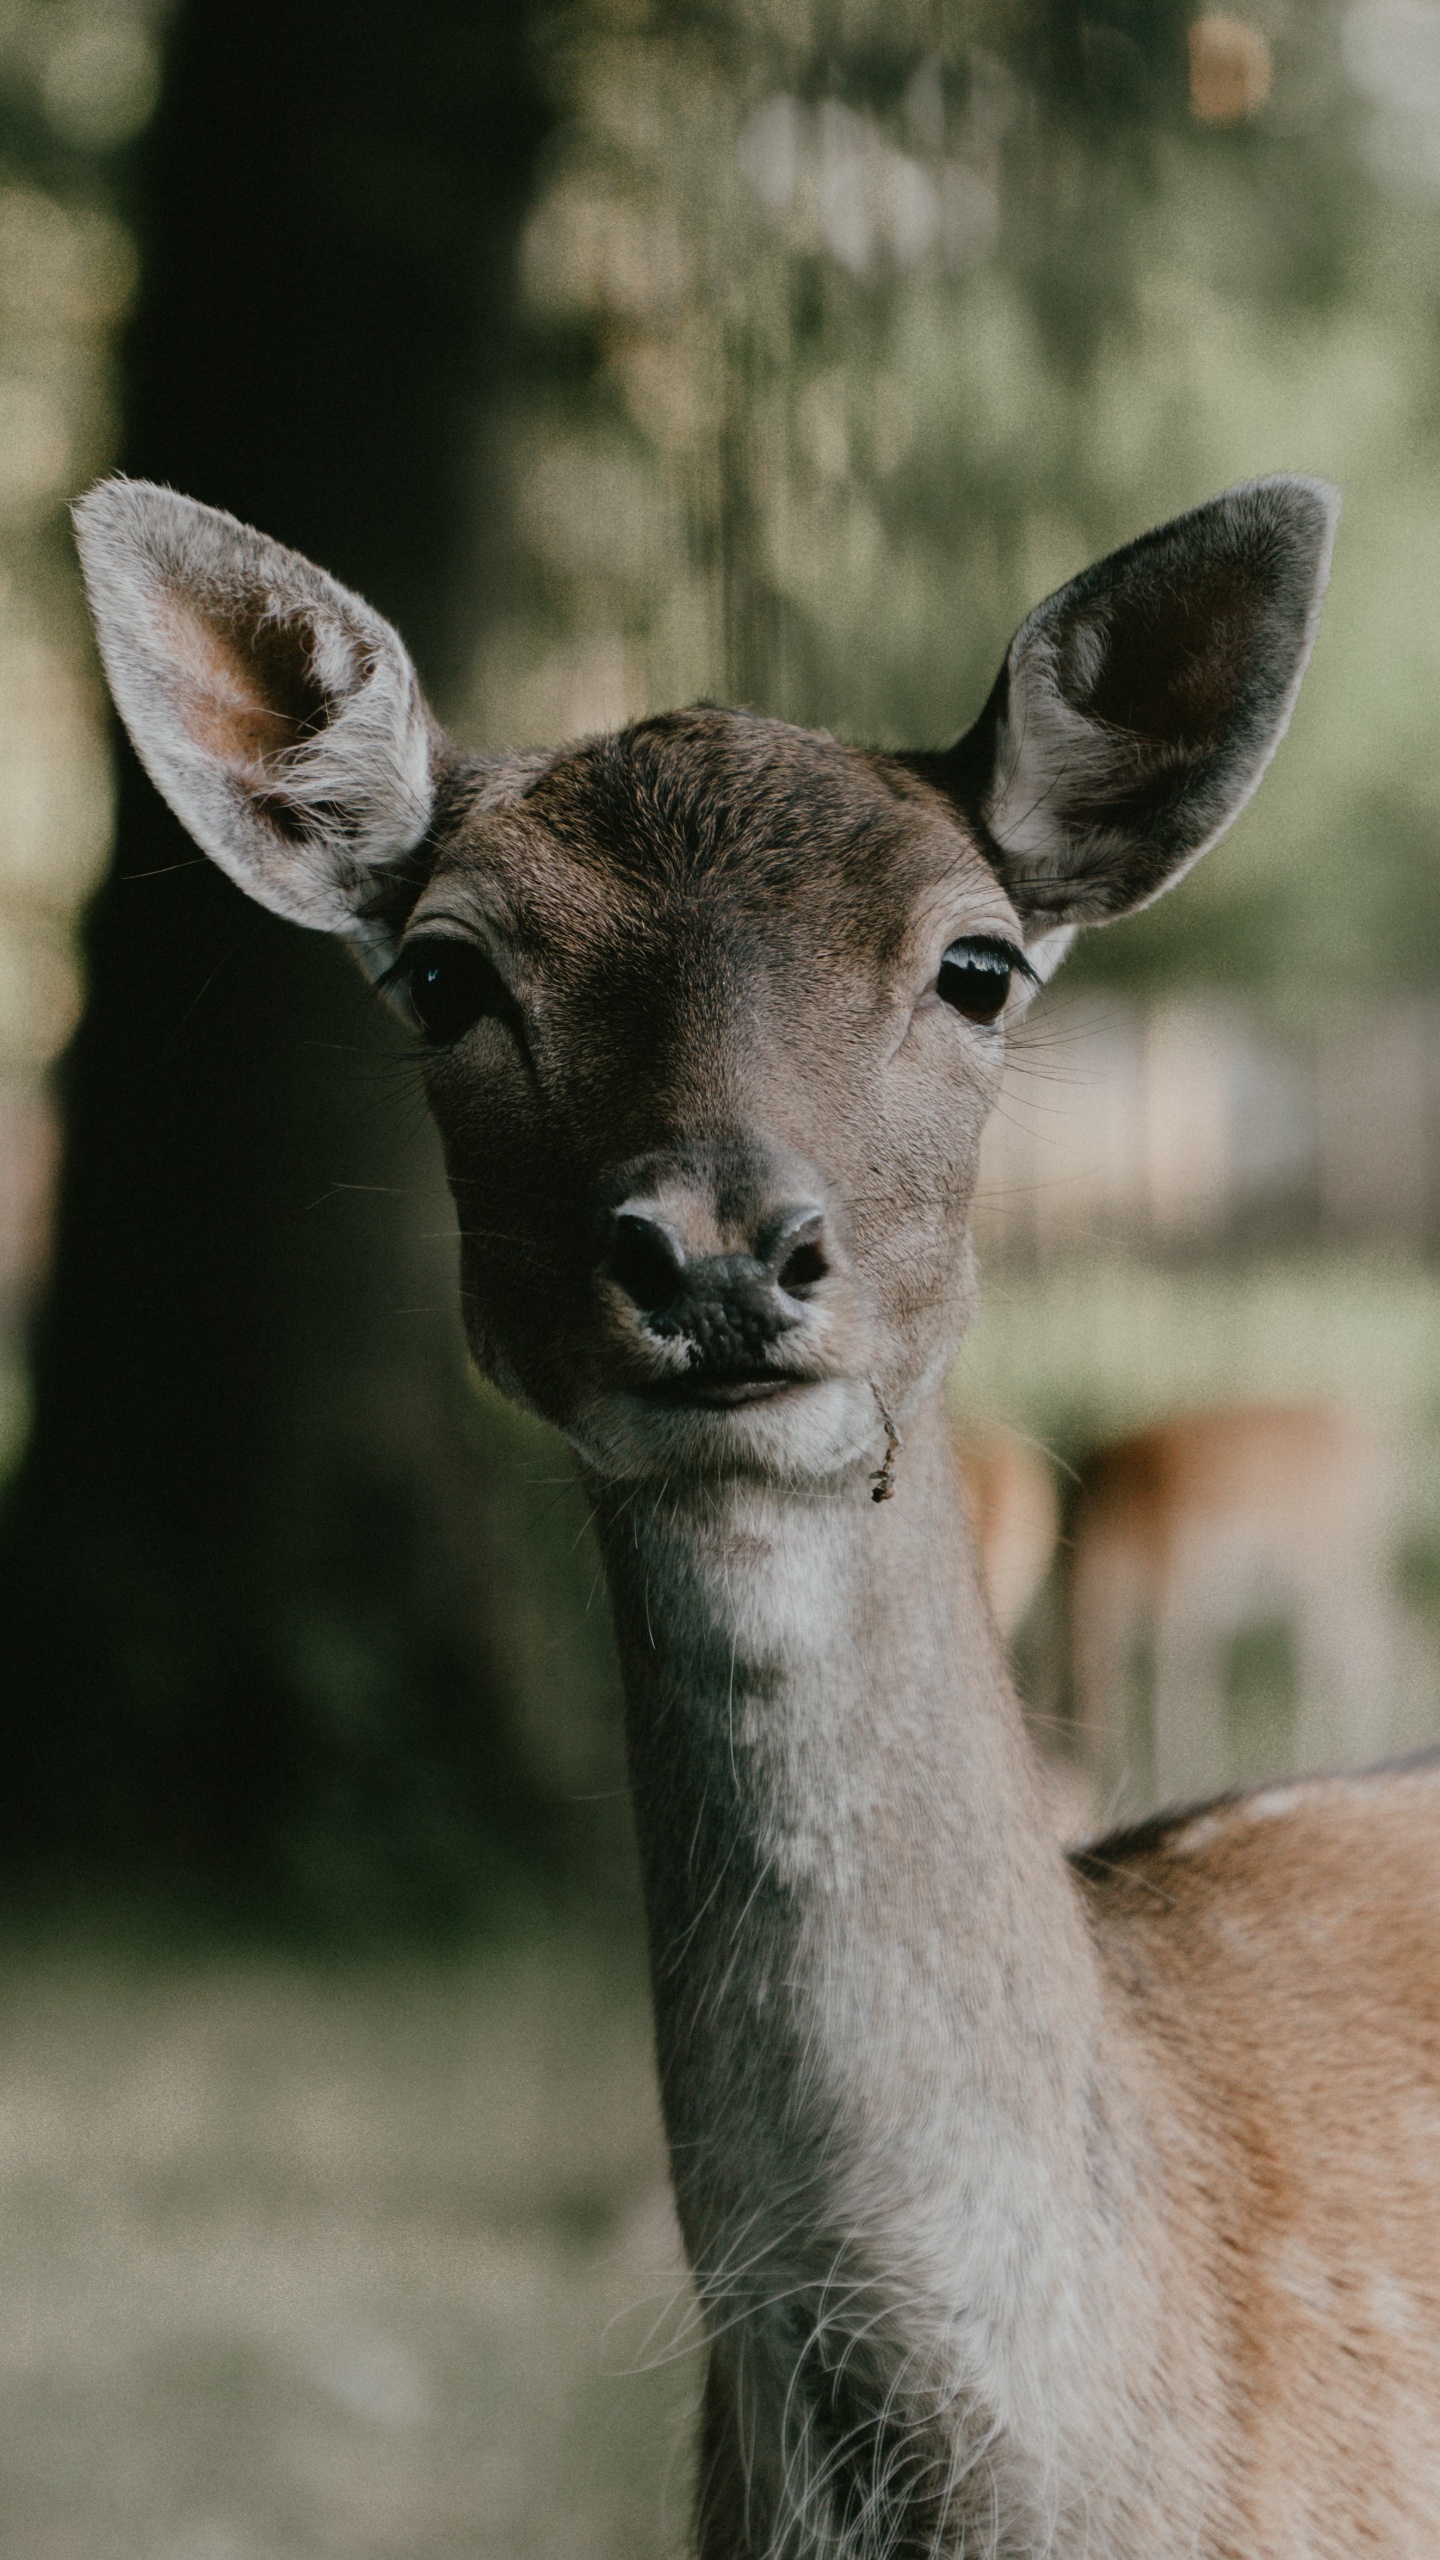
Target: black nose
731	1306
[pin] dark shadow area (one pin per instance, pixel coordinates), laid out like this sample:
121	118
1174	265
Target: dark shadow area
258	1575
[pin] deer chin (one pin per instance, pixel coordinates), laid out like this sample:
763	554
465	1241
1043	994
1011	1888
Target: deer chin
783	1431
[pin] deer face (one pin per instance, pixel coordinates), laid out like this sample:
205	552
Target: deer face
712	1011
710	1090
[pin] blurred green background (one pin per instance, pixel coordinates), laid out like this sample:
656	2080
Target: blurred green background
623	353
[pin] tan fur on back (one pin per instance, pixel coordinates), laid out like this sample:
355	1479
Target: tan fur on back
1279	1954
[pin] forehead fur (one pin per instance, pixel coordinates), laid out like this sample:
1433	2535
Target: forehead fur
706	790
729	801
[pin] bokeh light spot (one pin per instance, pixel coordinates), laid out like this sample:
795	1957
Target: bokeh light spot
101	83
1230	69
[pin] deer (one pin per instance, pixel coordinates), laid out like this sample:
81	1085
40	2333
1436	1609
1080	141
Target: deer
1187	1532
1014	1515
1035	2205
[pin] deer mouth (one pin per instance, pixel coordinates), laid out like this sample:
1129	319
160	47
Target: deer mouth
708	1423
720	1391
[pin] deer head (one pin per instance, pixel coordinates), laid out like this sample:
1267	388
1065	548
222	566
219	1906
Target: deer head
712	1011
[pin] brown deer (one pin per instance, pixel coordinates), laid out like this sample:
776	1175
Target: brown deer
1014	1515
1184	1534
1034	2206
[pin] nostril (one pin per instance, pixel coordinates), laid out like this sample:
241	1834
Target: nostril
792	1246
645	1261
802	1268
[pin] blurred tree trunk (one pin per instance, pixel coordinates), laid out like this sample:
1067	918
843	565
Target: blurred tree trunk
250	1569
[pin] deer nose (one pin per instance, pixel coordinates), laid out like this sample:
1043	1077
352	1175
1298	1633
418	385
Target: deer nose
731	1306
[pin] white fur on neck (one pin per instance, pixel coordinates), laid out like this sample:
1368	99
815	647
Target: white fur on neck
947	2074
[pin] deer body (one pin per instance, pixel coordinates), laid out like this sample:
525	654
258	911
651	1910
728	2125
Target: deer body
1190	1531
1030	2213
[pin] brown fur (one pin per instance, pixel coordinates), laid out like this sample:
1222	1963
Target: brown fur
1185	1533
1277	1955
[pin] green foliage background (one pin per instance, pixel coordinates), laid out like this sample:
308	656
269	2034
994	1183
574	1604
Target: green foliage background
755	461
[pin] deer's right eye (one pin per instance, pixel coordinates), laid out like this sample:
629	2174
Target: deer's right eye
452	986
975	976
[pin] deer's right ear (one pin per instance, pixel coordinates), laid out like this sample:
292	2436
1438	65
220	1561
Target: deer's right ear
279	716
1138	707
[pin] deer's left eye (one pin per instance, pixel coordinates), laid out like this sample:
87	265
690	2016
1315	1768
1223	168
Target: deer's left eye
975	976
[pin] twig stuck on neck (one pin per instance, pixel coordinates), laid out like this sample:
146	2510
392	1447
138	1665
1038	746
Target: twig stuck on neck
883	1481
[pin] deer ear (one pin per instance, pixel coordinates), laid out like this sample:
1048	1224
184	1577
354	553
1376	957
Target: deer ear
279	716
1139	706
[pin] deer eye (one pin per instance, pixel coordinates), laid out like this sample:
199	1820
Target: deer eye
452	986
975	976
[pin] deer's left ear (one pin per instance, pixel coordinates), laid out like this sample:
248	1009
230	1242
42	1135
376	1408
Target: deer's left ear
278	714
1139	706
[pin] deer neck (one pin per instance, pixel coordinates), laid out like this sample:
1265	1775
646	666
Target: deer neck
879	2018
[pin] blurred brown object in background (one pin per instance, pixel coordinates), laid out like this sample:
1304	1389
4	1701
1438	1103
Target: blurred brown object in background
1188	1534
1230	69
1015	1516
1016	1519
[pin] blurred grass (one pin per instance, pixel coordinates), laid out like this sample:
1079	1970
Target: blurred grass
334	2264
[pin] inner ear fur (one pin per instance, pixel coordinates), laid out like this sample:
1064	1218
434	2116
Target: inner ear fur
1138	706
248	694
277	713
